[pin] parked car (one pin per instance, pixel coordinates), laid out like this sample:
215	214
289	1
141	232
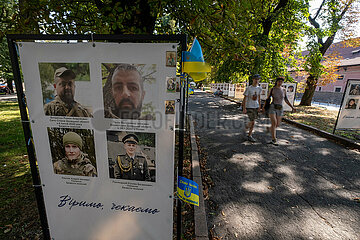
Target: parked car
4	89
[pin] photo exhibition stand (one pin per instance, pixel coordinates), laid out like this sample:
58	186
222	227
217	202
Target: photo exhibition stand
94	59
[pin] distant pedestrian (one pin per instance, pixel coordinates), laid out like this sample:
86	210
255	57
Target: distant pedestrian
218	92
252	105
278	94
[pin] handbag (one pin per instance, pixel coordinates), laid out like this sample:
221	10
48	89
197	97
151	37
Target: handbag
267	102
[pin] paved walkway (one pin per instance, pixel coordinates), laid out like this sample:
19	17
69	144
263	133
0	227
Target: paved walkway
305	188
8	97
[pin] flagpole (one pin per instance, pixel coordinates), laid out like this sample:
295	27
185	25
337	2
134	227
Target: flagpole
181	143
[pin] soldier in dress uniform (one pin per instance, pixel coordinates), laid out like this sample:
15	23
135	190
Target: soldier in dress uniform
64	103
131	165
75	161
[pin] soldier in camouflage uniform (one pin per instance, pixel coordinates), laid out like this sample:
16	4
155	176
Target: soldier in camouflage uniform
64	103
131	165
75	161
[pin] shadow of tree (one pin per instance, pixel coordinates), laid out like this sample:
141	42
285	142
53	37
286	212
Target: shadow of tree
302	189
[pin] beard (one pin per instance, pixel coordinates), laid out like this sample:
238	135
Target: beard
67	96
131	112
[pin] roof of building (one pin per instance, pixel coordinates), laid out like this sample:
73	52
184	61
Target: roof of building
350	55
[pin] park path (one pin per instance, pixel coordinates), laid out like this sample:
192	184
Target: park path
305	188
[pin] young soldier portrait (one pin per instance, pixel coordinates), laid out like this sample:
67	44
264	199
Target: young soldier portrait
131	155
75	160
131	165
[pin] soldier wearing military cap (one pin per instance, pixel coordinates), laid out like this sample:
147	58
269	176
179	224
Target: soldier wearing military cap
64	103
75	161
131	165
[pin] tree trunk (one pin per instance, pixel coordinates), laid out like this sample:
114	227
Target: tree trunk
311	83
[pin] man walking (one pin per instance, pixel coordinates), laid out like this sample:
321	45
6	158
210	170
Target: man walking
252	105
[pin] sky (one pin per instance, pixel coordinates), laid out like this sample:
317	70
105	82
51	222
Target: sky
314	6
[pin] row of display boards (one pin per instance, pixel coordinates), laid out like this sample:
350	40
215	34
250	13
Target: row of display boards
103	118
348	113
237	91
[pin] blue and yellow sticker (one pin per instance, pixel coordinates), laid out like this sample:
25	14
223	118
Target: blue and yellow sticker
188	191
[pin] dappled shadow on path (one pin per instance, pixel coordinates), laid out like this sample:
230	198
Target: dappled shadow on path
302	189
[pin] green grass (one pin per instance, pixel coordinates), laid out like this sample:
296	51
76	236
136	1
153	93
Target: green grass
19	216
320	118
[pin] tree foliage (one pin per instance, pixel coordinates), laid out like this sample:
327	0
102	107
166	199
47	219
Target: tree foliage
238	37
243	37
332	18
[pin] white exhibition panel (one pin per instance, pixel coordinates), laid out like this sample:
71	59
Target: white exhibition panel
226	89
290	89
349	116
264	90
111	208
231	90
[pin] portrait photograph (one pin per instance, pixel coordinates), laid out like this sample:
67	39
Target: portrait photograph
170	107
171	84
72	151
131	155
354	89
65	89
351	103
171	59
128	90
290	89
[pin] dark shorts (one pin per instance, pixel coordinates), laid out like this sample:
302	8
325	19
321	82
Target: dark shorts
252	113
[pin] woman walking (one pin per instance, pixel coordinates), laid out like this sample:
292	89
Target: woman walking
278	94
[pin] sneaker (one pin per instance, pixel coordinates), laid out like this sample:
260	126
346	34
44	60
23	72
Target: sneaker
274	142
251	139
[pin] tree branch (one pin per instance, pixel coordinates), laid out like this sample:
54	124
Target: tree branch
267	23
318	11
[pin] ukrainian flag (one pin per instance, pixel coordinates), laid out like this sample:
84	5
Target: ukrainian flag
193	62
188	191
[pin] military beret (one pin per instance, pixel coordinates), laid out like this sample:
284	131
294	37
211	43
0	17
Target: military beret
72	138
63	72
130	138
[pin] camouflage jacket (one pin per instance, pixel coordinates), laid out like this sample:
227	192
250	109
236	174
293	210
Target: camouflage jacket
134	169
81	167
109	114
58	108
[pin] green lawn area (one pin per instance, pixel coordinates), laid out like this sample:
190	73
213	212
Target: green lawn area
320	118
18	209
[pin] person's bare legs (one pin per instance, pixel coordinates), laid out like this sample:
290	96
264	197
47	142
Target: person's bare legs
250	127
278	121
273	119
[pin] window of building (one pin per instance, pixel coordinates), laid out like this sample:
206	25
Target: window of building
356	51
319	89
340	77
337	89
